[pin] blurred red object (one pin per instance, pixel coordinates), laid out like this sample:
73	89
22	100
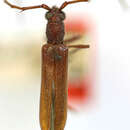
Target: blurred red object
77	25
79	90
79	93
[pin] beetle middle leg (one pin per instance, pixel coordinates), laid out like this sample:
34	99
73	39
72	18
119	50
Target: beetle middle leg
80	46
72	39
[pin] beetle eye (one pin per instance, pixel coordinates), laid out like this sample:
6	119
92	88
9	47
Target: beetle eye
62	16
48	15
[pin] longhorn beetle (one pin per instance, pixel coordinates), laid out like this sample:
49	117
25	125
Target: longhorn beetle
53	99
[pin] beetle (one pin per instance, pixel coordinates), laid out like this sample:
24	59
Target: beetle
54	91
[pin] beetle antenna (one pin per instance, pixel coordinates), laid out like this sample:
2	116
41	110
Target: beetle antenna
71	2
27	8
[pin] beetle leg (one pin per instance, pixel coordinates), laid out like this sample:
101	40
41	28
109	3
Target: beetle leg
72	39
78	46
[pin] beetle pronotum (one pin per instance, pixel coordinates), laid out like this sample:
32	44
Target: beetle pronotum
53	100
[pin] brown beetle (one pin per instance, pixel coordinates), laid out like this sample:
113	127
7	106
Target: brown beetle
53	100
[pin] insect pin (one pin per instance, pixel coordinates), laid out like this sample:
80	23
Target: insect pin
54	91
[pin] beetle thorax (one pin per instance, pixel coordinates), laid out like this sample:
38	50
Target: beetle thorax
55	26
